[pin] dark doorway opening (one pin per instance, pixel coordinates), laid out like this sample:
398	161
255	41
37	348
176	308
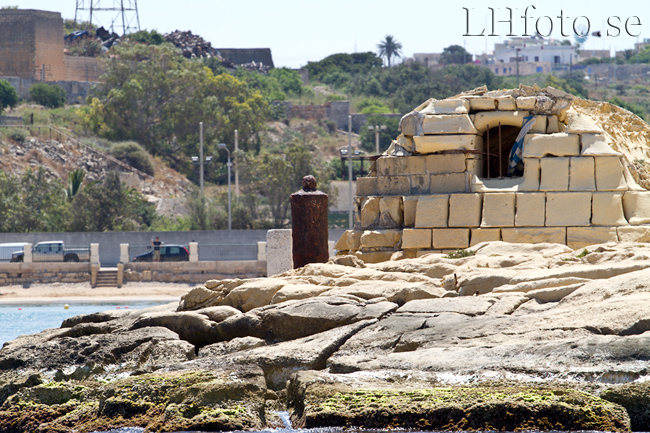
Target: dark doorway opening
496	151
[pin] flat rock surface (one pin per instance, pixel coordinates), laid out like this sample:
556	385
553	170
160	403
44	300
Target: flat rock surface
524	313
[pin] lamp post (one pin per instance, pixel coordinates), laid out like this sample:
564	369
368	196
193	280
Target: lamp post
377	128
198	160
350	170
223	146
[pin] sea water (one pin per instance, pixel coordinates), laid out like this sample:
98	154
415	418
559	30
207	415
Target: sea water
16	320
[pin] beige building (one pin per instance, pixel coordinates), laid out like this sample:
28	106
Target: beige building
31	47
444	184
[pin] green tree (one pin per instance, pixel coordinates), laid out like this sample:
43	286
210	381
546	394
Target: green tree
153	95
389	48
150	37
455	54
289	80
274	177
52	96
349	64
636	109
8	95
109	206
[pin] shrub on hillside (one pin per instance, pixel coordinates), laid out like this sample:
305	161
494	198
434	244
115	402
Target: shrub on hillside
51	96
8	95
131	153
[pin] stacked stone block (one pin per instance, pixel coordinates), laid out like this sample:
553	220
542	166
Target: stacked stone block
428	192
31	43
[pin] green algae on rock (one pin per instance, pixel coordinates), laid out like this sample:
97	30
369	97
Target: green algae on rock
214	400
453	408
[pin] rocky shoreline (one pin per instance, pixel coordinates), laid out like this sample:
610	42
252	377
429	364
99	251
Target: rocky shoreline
504	337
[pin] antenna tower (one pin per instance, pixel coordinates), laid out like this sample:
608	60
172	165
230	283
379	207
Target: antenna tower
113	15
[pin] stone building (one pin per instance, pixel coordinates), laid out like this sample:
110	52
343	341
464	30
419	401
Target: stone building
31	48
444	184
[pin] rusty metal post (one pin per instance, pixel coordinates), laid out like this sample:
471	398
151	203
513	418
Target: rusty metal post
309	224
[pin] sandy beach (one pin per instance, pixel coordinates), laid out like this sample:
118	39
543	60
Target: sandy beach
83	292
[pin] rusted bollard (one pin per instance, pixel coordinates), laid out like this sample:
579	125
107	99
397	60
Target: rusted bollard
309	224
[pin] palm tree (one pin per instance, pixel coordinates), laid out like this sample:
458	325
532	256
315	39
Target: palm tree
389	48
75	179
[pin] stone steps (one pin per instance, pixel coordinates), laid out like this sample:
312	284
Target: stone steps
107	277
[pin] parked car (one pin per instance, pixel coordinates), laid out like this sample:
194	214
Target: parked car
168	253
53	251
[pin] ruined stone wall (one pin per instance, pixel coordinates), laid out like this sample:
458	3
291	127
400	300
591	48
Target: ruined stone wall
82	68
48	56
429	192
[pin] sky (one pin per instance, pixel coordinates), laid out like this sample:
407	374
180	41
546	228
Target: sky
298	32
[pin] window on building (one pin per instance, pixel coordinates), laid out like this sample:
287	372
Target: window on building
526	58
537	58
557	60
496	70
496	152
504	70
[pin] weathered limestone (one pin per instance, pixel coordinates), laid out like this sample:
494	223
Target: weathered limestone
568	208
366	186
531	209
506	103
580	237
445	163
447	106
582	174
560	144
393	185
532	172
450	182
416	238
465	210
596	145
607	209
555	174
380	238
552	125
636	205
482	103
572	177
432	211
534	235
492	118
498	210
479	235
450	238
410	207
420	184
580	124
391	213
392	165
448	124
633	233
609	174
526	103
370	212
425	144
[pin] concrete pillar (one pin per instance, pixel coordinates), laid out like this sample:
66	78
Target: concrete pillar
94	253
309	224
261	251
124	253
120	274
194	251
94	269
27	258
278	252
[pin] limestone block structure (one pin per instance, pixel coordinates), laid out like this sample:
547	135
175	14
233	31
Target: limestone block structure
445	182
